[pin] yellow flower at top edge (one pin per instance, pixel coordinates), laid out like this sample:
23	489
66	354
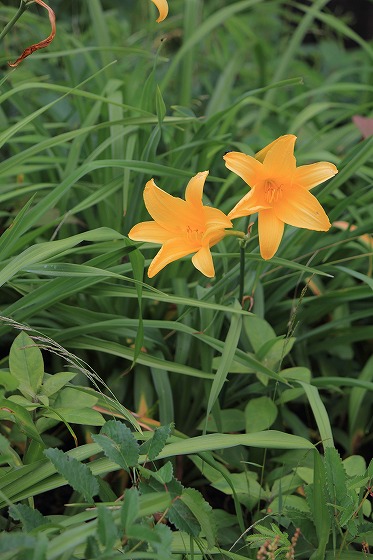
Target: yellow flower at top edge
163	9
181	226
279	191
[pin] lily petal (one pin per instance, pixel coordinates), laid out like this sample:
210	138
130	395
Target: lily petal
194	189
248	205
171	251
279	160
162	8
216	218
168	211
263	152
149	231
309	176
302	209
271	230
203	262
246	167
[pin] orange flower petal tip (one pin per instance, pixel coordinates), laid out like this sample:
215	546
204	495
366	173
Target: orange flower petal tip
162	6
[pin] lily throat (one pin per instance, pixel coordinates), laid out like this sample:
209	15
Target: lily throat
273	191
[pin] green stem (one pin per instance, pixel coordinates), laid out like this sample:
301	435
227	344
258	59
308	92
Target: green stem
242	271
22	8
236	233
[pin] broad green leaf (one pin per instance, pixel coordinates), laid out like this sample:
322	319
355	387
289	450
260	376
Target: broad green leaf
16	413
26	364
260	413
106	527
53	383
130	508
76	415
182	517
335	477
156	443
30	518
316	498
77	474
202	512
8	381
258	331
118	444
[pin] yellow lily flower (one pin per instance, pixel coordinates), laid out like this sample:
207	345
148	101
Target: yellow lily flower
163	9
181	226
279	191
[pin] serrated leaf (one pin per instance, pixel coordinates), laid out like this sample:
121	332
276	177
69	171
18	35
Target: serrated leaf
26	364
316	499
77	474
181	516
118	443
260	413
106	528
164	546
163	475
11	542
130	508
30	518
202	512
335	476
349	506
156	443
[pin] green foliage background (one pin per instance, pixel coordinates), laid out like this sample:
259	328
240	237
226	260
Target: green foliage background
265	413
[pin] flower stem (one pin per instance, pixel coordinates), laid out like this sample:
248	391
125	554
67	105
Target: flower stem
242	271
22	8
236	233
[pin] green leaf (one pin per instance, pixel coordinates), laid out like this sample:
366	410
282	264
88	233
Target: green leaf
106	528
118	444
182	517
226	361
164	545
8	381
335	477
320	413
53	383
271	439
26	364
156	443
202	511
77	474
130	509
316	500
16	413
75	415
260	413
30	518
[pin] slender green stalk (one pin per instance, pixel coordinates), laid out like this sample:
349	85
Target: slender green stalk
242	270
22	8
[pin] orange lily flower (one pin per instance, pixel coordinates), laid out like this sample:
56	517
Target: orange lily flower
162	8
181	226
279	191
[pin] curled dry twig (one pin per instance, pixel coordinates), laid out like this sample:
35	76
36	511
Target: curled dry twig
42	44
